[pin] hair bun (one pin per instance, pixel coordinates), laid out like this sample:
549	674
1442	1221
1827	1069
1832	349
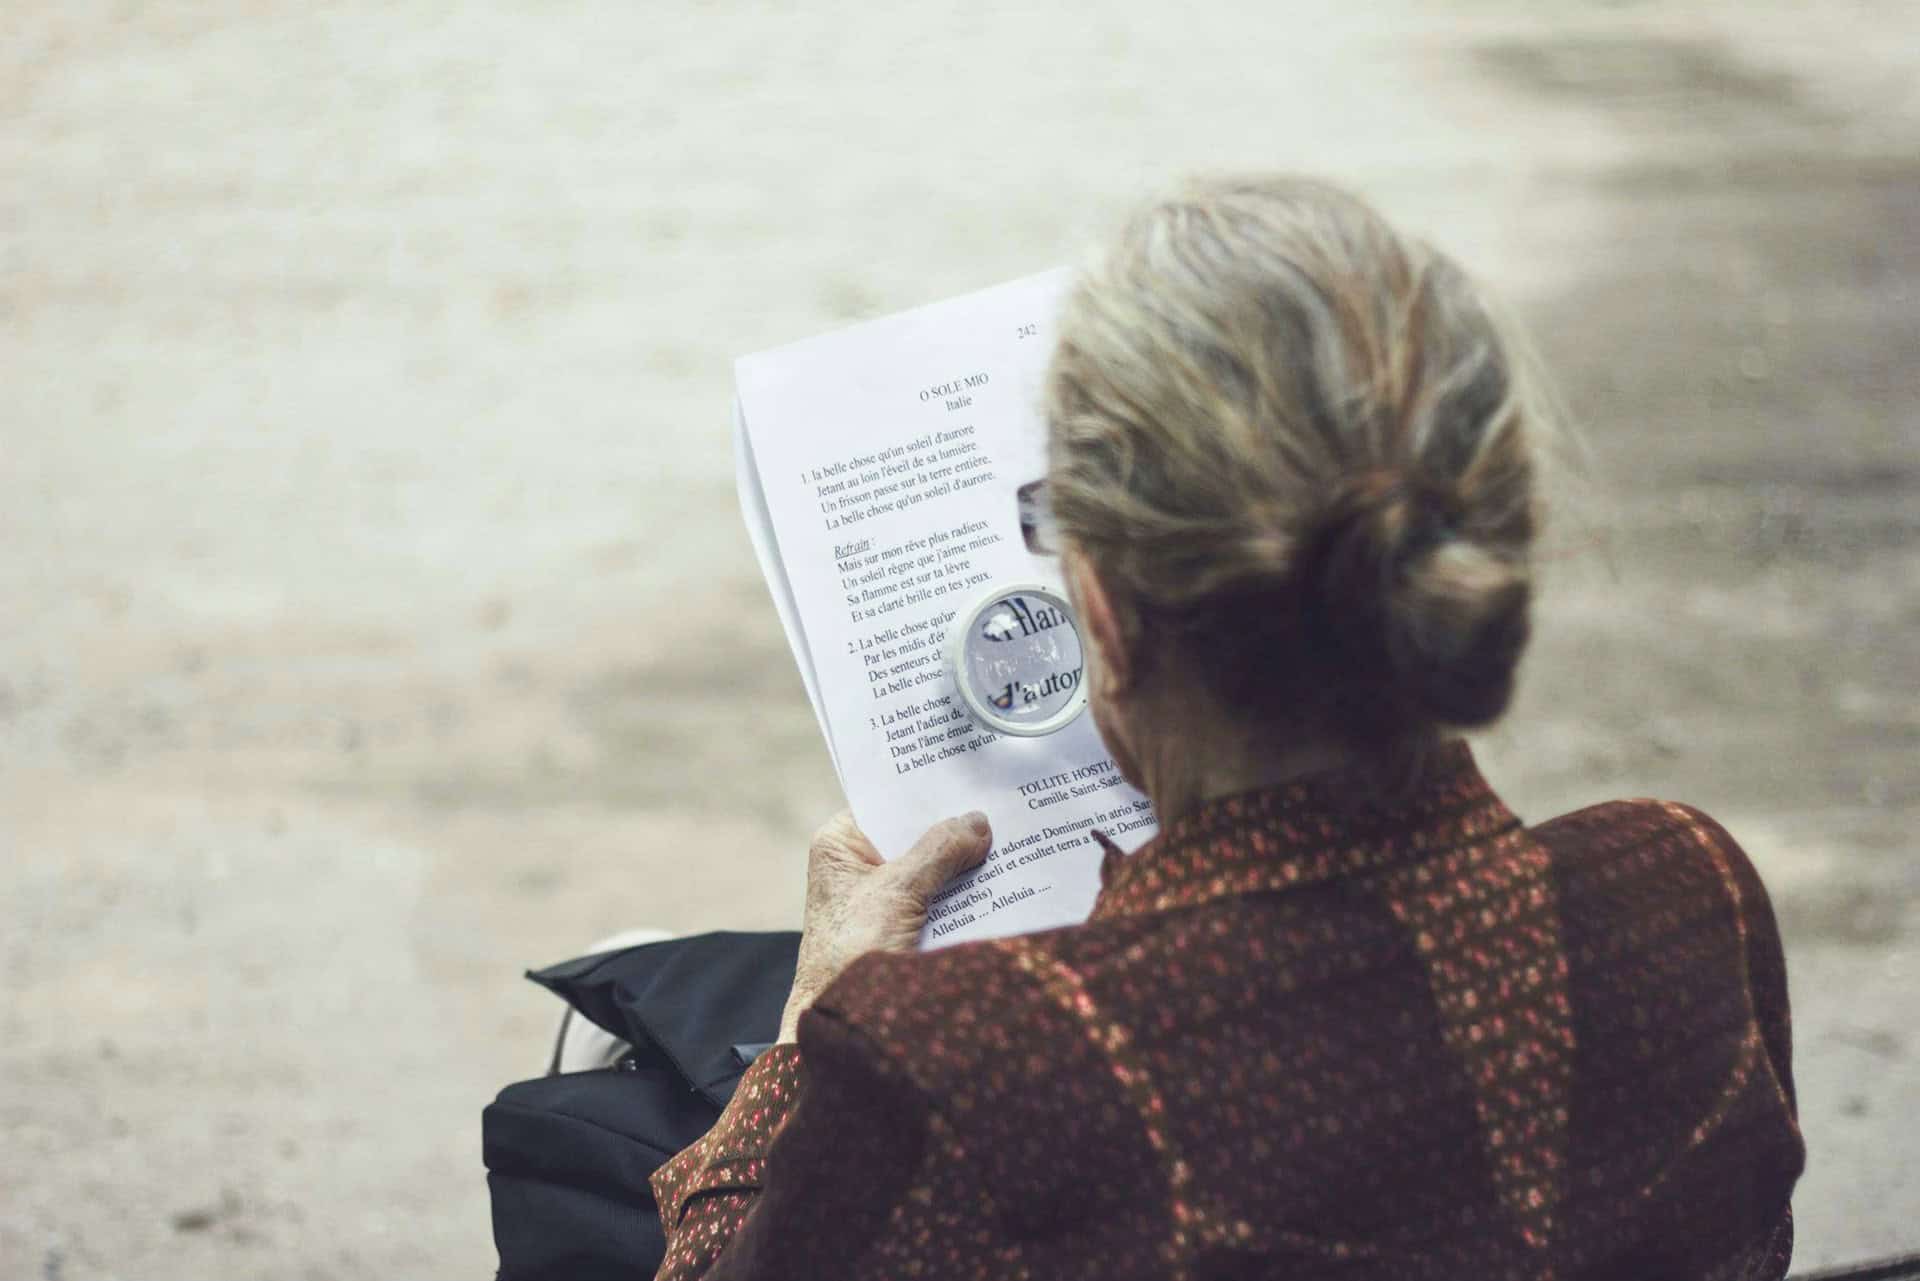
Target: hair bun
1420	622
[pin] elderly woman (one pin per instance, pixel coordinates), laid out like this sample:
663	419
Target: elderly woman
1347	1015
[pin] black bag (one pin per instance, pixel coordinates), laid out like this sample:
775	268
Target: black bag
568	1157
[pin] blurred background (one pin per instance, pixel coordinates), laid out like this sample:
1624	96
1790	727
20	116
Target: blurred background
376	619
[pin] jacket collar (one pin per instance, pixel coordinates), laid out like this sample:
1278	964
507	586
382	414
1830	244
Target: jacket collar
1301	833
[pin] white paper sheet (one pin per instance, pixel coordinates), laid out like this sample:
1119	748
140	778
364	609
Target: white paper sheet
753	508
877	470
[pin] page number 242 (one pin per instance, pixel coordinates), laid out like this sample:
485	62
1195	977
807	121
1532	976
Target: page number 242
1027	331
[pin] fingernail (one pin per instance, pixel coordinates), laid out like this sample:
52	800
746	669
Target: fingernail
978	822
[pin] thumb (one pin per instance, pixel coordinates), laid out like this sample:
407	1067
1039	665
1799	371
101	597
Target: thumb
947	850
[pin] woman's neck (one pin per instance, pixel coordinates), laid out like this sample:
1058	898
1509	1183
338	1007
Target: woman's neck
1181	772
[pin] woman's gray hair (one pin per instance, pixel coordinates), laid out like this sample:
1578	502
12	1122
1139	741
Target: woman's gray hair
1299	448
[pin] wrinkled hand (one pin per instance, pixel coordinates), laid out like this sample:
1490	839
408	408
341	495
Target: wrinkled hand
858	904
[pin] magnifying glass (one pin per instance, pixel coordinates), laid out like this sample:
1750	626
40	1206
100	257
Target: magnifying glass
1017	662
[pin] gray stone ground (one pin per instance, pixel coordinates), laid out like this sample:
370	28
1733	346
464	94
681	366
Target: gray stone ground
377	620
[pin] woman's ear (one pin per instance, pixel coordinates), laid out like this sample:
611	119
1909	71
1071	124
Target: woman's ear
1100	621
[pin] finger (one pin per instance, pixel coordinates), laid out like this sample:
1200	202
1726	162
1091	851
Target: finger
947	850
840	839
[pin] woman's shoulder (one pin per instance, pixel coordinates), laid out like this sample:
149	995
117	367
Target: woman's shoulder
949	1014
1647	847
1005	975
1662	910
1621	822
1638	823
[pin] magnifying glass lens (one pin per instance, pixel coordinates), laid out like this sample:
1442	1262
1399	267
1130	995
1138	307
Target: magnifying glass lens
1017	661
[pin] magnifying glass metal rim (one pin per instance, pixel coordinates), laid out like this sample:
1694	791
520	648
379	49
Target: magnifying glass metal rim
956	664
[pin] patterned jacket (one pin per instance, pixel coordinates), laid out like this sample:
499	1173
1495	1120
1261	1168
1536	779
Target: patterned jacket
1301	1036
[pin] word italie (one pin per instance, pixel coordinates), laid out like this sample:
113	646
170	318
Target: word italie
955	393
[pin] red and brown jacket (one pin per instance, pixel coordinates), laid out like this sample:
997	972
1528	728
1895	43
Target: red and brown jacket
1301	1036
